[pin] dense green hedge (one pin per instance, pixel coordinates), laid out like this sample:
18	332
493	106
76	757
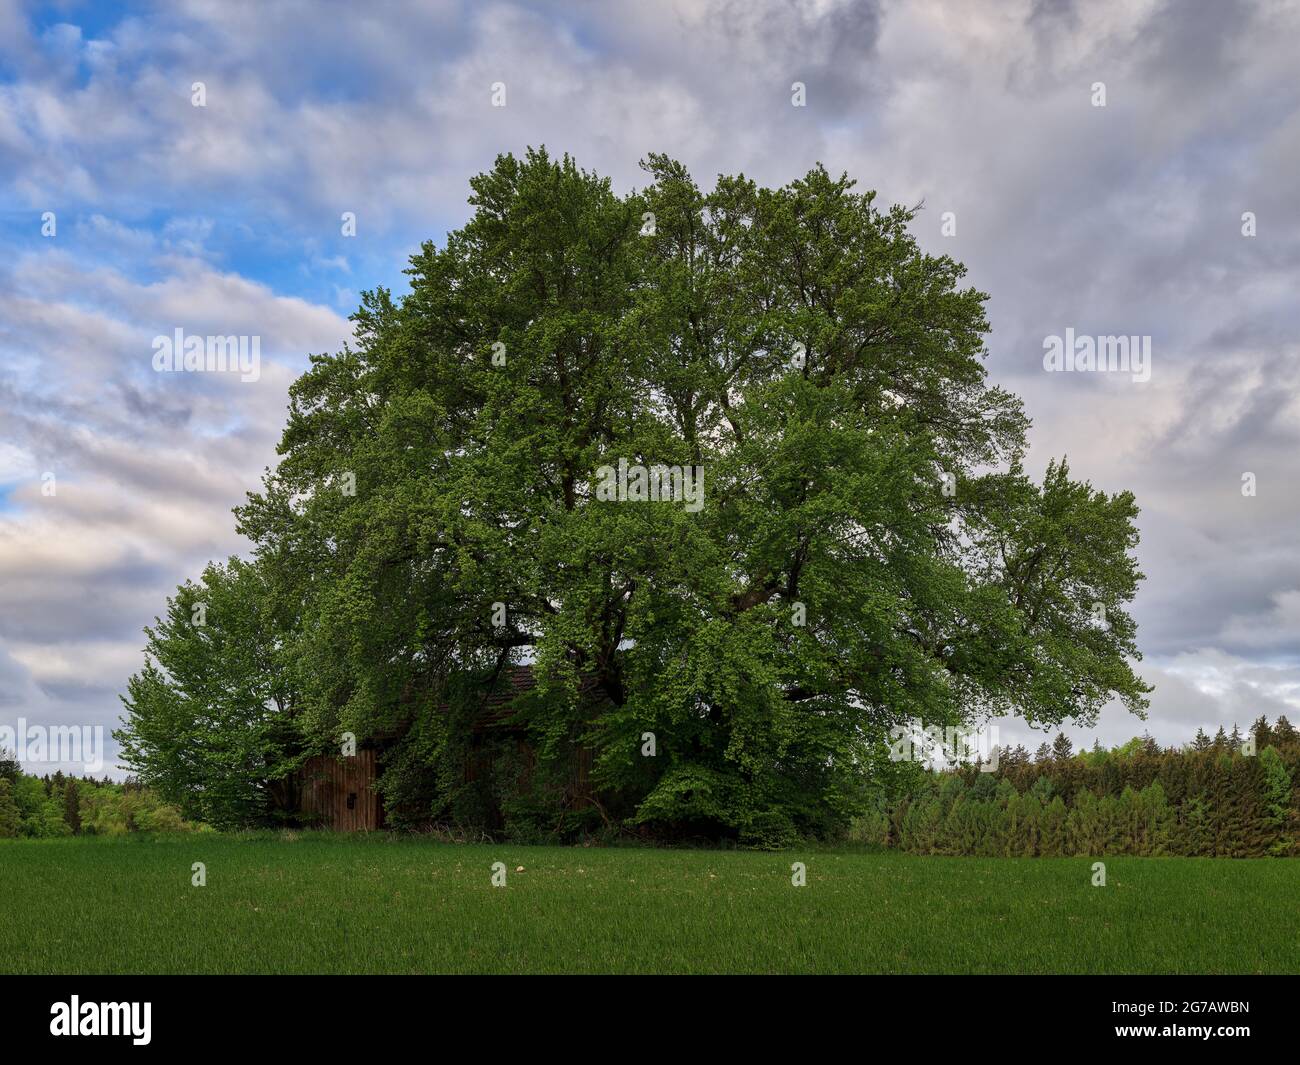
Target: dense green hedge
1210	799
45	807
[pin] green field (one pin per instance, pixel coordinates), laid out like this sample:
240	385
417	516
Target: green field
322	904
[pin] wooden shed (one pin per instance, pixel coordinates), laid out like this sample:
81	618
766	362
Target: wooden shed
339	792
495	716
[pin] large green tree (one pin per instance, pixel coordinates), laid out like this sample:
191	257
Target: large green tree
210	719
869	550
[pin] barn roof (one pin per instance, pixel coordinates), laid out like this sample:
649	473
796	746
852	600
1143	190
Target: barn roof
500	703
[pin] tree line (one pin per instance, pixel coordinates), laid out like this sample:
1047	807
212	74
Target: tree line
44	807
1228	796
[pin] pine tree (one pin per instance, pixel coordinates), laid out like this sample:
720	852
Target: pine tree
1277	796
1014	758
1126	838
1043	754
1262	733
1112	776
1083	829
10	818
1175	776
9	767
1111	824
1139	799
1052	842
1159	819
1029	826
72	805
1195	831
1220	740
1284	733
1062	748
1258	831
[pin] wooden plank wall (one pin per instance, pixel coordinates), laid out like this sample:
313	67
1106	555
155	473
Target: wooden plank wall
478	763
580	779
326	783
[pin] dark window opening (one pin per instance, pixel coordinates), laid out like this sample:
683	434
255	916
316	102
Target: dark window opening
352	800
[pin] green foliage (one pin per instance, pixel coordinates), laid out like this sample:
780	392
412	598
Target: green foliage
116	810
41	816
869	550
1276	800
209	719
72	805
11	823
9	768
1135	799
46	808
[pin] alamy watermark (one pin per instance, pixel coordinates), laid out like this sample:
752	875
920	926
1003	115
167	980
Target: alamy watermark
208	354
1104	354
77	1018
949	745
66	744
632	482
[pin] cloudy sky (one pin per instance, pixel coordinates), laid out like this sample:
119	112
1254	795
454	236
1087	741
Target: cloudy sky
128	212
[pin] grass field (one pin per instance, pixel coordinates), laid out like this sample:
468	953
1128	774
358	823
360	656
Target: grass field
320	904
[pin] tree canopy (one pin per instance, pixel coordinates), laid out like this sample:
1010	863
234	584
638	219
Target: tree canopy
869	549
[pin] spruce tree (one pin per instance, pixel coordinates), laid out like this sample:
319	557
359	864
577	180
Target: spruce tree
1276	788
1197	828
10	818
1015	758
72	805
1259	831
1053	840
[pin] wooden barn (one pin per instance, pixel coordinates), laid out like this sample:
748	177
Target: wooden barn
495	718
339	793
